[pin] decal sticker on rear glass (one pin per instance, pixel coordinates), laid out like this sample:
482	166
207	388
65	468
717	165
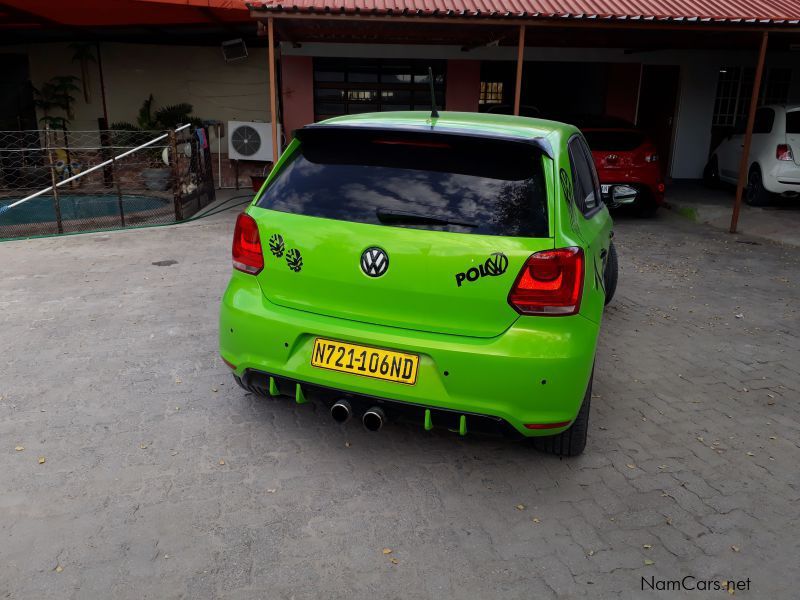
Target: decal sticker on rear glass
494	266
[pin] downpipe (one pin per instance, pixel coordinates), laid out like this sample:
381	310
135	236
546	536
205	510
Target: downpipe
374	419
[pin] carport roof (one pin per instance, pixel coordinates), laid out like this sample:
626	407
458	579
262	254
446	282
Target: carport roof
689	11
30	14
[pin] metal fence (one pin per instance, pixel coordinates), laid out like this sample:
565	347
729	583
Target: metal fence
164	182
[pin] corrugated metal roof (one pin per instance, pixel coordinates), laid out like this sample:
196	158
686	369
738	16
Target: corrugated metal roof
690	11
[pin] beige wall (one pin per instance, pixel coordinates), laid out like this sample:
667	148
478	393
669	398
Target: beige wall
194	74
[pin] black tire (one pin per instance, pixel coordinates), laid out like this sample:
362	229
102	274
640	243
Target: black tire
238	381
611	273
646	208
645	205
711	172
571	442
755	194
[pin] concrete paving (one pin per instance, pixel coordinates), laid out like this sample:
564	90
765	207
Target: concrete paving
131	466
779	222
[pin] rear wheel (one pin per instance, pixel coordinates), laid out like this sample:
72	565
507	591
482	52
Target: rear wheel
571	442
611	273
711	172
646	205
756	194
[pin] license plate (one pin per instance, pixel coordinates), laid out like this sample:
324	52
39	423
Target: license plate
604	189
378	363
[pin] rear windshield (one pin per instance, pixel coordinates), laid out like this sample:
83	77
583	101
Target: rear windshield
619	141
436	182
793	121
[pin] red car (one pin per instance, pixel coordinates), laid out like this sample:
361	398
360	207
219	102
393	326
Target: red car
627	164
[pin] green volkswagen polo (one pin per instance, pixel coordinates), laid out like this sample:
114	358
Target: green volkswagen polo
449	271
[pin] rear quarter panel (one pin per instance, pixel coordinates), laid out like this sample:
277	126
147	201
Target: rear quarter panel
590	232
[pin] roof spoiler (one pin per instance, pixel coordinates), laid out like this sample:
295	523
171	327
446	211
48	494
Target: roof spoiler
423	130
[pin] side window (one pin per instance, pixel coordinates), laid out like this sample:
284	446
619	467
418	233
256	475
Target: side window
577	187
587	188
596	198
765	117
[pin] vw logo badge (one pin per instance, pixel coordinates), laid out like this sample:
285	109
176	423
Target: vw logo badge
374	262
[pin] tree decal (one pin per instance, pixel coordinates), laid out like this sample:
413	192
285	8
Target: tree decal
294	260
566	185
276	245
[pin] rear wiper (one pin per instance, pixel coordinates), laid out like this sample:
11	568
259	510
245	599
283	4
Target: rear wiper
396	216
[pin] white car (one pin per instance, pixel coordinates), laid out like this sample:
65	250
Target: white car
774	161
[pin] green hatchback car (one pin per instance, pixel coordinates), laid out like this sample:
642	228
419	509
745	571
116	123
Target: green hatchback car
447	271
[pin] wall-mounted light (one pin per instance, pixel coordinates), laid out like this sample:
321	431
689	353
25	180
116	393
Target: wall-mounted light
233	50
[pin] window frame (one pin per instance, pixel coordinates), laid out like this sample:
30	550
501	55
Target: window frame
735	87
366	83
584	153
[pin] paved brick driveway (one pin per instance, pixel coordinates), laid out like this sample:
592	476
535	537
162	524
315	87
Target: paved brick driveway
109	370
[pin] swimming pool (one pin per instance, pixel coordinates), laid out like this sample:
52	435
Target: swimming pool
76	207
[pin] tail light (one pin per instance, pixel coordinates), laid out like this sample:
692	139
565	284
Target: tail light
784	152
247	255
550	283
646	153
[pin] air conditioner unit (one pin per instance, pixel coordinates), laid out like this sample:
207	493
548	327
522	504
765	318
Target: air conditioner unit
248	140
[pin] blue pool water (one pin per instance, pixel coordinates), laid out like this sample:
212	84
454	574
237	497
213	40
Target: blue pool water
74	207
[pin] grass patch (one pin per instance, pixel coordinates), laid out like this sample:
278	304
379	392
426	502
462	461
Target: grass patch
688	212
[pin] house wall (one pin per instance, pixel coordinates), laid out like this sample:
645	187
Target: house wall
194	74
463	89
297	90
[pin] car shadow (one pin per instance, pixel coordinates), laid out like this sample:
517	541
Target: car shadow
283	414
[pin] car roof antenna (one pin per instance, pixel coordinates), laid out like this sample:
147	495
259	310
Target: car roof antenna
434	112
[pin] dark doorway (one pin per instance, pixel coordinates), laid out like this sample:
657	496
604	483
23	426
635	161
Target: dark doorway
19	154
563	91
658	101
17	111
554	90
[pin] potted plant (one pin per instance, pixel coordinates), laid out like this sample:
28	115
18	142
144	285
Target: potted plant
157	176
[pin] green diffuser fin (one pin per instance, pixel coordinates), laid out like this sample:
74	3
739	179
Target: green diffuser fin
428	422
299	397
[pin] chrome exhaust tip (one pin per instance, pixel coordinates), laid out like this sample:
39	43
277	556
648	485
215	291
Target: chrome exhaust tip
373	419
341	411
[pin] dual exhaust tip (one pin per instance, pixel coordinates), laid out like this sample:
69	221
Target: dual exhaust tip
373	419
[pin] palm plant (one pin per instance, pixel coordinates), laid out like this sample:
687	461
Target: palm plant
83	53
57	93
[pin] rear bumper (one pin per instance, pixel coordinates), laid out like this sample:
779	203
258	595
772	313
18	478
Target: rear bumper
783	178
536	372
648	189
408	412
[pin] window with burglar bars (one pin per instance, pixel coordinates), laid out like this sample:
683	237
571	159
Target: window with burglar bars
491	92
344	86
735	85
